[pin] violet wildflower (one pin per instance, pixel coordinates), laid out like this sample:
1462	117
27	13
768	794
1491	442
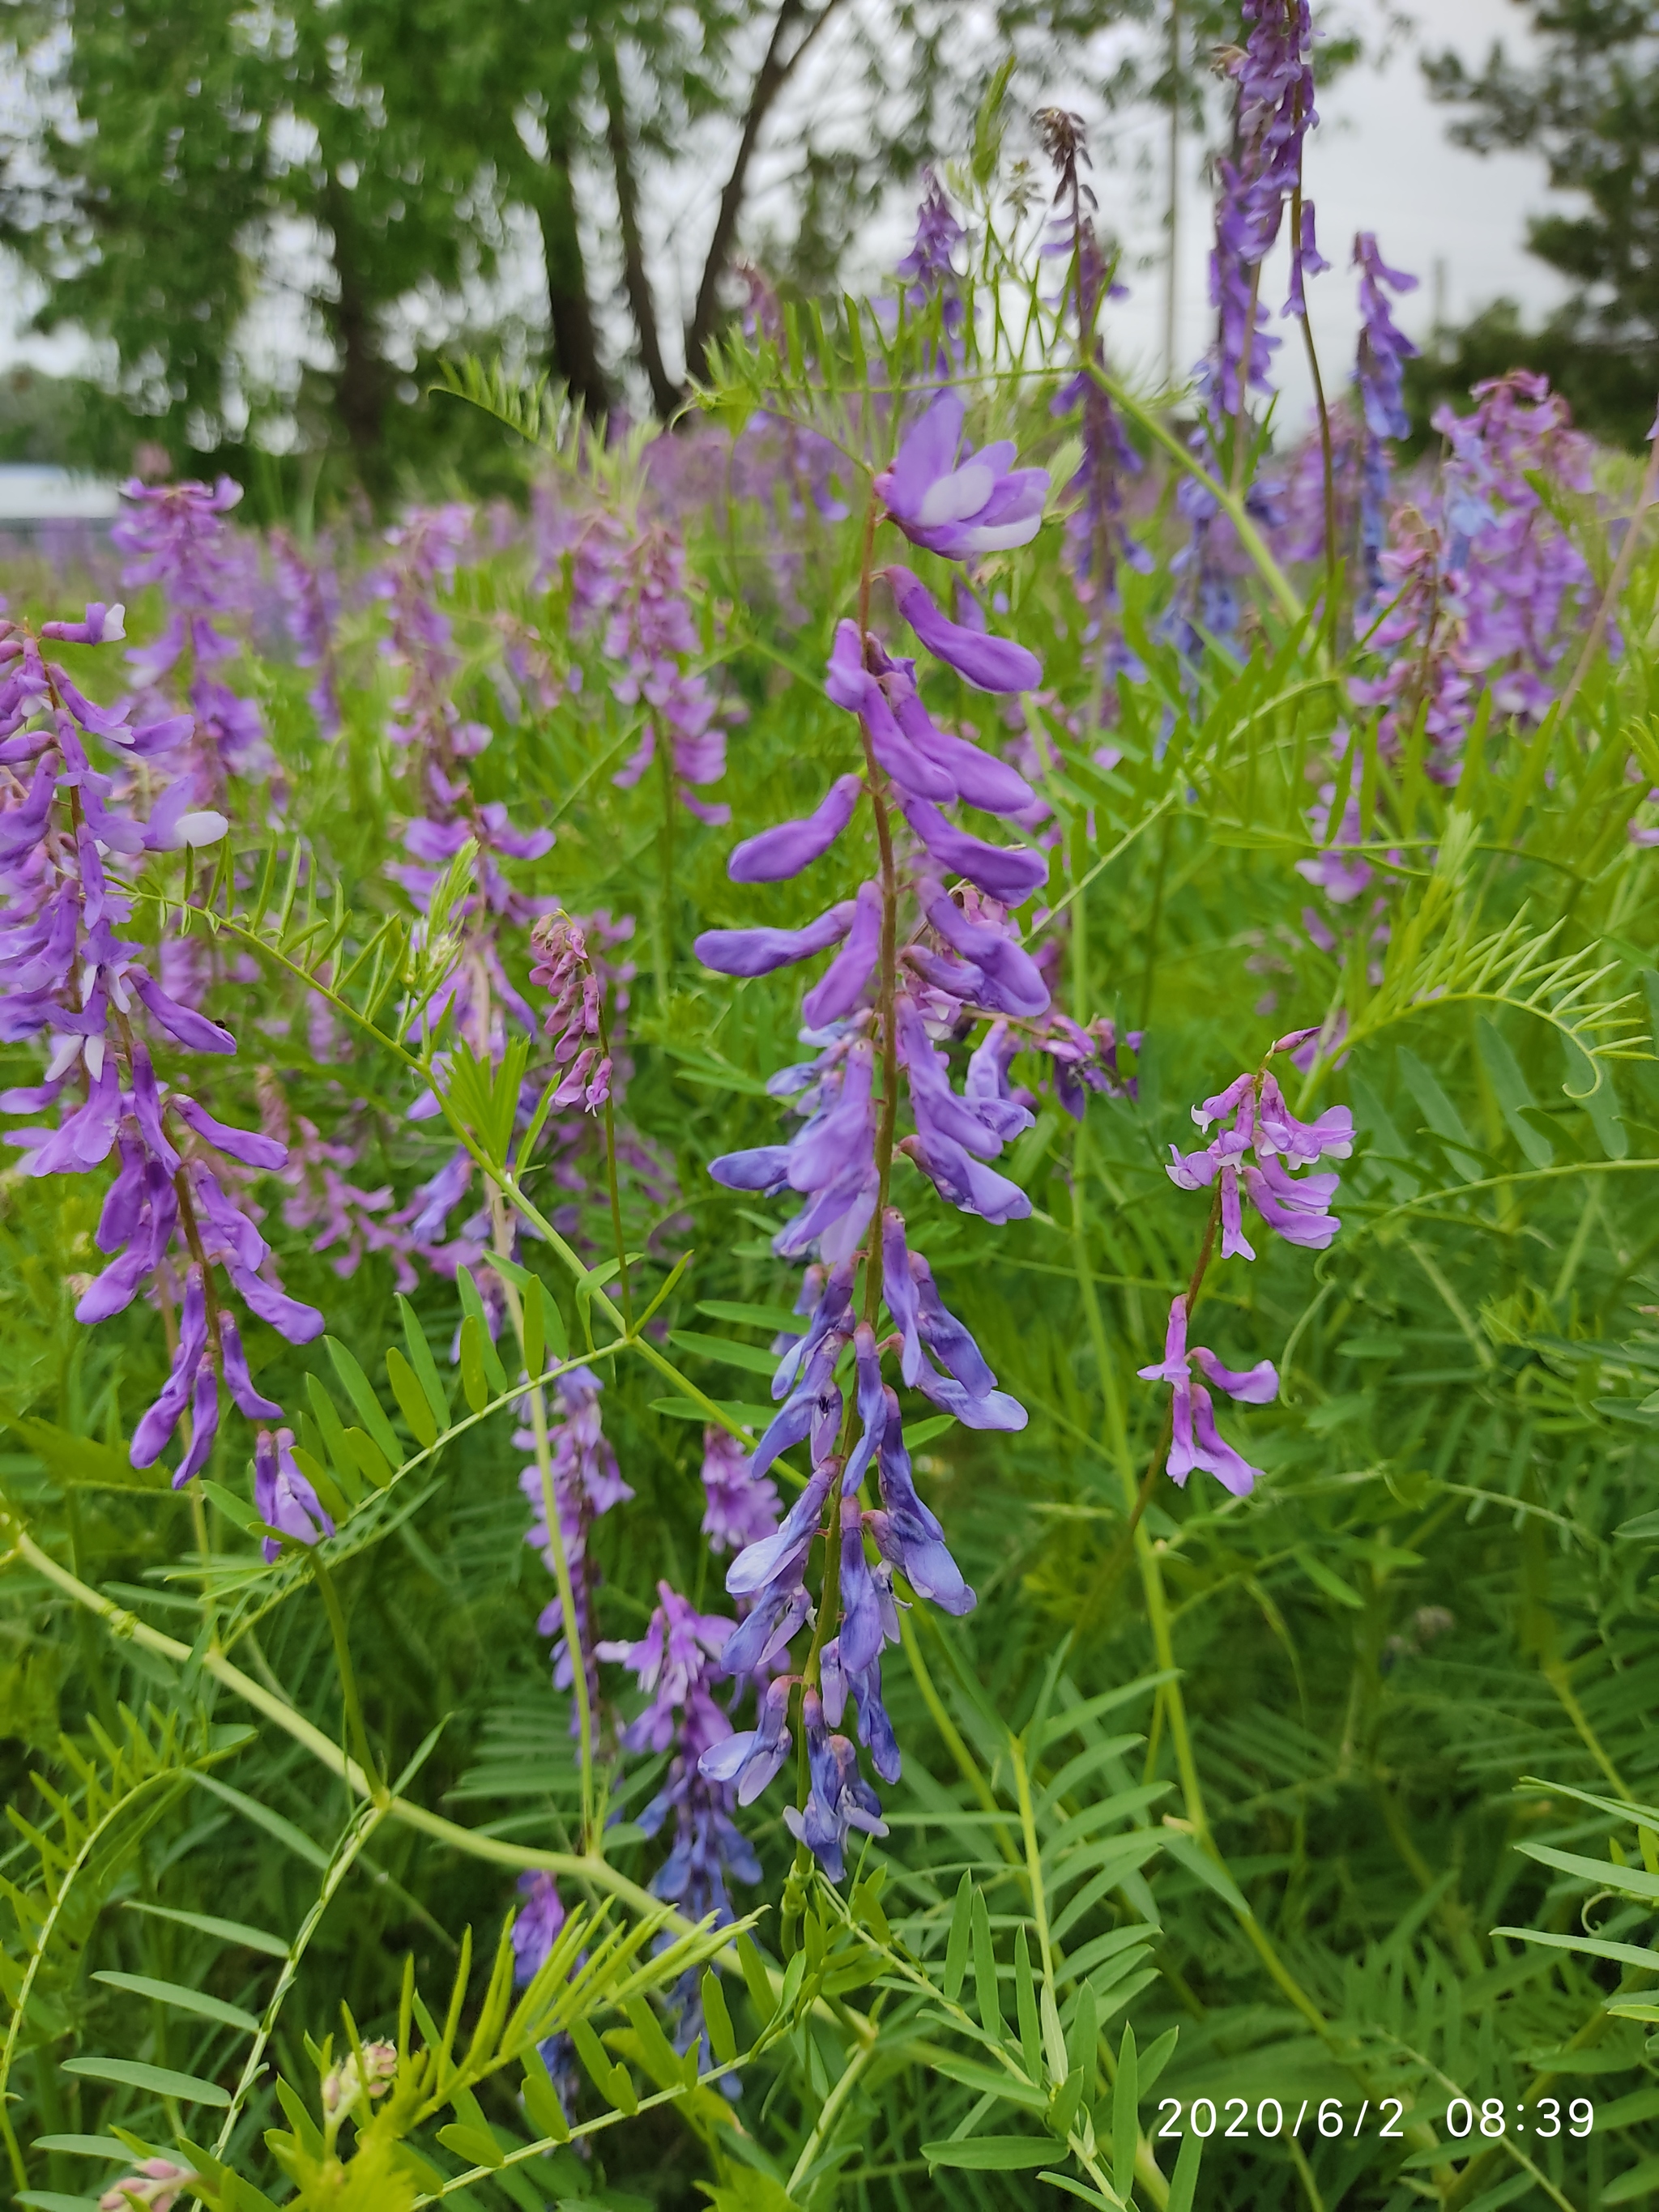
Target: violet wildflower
915	965
1195	1441
311	604
1095	535
1272	72
282	1497
68	977
629	587
737	1510
1488	589
1257	1120
928	269
840	1799
953	500
564	968
675	1663
1380	373
174	536
536	1929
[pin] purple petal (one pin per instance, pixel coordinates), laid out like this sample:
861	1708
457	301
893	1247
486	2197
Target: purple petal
840	987
237	1381
991	664
244	1145
1252	1386
758	951
1008	873
966	1182
776	854
190	1029
300	1324
204	1424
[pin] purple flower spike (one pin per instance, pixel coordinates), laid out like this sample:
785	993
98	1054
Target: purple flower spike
777	854
1010	873
282	1497
958	504
991	664
758	951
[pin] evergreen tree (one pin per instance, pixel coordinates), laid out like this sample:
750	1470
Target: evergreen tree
1589	104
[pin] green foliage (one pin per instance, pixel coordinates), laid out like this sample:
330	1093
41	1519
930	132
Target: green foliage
1298	1798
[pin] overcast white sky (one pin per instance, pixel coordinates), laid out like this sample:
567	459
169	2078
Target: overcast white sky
1380	160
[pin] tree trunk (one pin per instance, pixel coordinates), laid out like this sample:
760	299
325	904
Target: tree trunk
574	347
359	386
775	72
666	394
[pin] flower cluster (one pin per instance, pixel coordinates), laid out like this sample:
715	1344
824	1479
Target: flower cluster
928	269
676	1663
629	586
311	607
1380	374
174	536
1272	72
1487	583
575	1017
1257	1145
68	977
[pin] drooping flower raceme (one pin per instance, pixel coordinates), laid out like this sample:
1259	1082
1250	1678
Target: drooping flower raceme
1487	584
1095	534
1380	374
174	535
1272	72
1258	1141
921	952
170	1223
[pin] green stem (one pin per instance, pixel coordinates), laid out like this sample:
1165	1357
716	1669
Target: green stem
337	1623
563	1577
614	1191
1230	502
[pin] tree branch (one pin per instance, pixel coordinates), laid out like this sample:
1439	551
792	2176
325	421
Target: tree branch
775	72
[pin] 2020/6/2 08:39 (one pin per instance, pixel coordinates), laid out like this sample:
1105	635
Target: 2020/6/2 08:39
1492	2118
